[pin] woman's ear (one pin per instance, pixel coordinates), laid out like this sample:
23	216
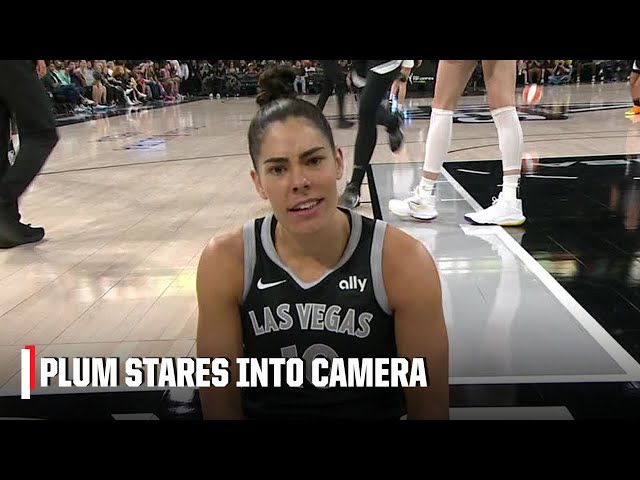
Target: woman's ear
256	182
339	163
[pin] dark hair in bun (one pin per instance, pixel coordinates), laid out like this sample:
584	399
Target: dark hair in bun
275	83
278	102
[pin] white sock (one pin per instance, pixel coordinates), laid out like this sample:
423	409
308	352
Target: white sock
427	186
510	187
438	139
509	137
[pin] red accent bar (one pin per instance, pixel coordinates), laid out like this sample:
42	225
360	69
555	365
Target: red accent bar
32	363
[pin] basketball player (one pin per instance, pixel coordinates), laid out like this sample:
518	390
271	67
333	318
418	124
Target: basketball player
22	95
451	79
334	78
277	286
378	76
634	85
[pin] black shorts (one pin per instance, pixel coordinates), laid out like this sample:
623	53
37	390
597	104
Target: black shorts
636	66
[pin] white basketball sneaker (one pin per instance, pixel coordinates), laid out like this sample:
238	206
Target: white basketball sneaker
420	205
506	213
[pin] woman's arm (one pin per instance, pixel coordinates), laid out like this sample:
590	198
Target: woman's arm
414	292
219	286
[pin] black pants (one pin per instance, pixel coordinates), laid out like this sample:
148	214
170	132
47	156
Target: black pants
116	94
69	93
333	78
23	95
371	113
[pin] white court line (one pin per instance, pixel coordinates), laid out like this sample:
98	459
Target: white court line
556	165
590	324
605	163
473	171
470	200
550	176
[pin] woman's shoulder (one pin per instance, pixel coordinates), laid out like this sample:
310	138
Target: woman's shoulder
402	246
224	251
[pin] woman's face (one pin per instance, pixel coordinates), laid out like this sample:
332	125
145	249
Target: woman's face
297	171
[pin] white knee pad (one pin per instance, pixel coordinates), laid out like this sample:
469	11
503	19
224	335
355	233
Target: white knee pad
509	137
438	139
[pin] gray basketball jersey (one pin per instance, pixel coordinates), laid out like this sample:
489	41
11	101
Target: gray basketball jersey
345	313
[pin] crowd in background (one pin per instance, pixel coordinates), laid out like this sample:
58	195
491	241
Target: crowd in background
561	72
77	86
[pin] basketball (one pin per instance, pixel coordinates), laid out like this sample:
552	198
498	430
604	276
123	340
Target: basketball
531	94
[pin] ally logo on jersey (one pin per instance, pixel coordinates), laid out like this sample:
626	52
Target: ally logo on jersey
352	282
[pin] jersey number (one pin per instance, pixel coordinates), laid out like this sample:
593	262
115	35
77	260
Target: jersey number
311	353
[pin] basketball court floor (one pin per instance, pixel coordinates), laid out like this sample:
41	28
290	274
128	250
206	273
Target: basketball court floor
543	319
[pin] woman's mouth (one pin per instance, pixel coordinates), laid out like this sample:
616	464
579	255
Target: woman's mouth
308	207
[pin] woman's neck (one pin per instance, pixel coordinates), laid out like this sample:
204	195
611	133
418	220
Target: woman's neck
325	247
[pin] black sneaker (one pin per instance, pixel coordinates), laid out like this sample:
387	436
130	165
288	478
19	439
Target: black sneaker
350	198
396	137
14	233
29	231
14	214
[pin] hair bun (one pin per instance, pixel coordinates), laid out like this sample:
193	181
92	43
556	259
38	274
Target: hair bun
275	83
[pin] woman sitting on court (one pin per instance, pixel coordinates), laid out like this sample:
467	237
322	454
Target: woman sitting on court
313	280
